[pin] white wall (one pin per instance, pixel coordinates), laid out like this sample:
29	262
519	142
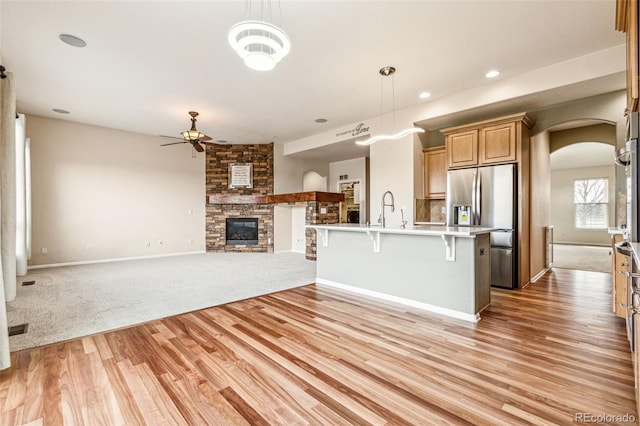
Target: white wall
355	168
100	193
282	228
298	239
288	172
392	169
313	181
562	207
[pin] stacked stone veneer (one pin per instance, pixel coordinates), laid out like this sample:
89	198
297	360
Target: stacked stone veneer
313	216
217	160
217	215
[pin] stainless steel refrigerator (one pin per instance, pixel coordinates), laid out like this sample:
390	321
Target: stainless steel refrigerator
485	196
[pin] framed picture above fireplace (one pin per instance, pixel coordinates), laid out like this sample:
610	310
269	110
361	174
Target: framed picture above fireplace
241	175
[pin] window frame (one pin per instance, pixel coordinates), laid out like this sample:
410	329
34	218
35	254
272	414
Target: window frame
605	203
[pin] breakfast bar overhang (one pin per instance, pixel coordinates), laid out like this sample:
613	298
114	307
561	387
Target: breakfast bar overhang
436	268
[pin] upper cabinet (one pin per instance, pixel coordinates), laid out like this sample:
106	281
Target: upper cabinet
462	149
627	21
435	173
486	142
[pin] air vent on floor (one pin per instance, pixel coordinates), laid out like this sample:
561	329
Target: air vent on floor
16	330
28	282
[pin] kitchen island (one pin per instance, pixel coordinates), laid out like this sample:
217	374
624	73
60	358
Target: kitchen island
437	268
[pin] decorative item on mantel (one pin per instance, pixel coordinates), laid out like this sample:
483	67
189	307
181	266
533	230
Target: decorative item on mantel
386	72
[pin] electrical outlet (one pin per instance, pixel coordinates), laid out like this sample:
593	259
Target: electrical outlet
189	241
89	247
147	243
323	210
44	250
160	242
444	210
190	211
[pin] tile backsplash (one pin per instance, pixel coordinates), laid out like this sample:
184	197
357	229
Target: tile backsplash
429	210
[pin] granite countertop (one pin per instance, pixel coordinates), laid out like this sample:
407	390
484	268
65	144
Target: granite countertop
433	230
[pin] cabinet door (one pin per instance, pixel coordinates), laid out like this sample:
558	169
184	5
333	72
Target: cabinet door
498	144
620	262
462	149
435	173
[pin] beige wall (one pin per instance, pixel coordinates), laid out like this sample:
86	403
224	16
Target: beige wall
540	195
562	205
605	133
100	193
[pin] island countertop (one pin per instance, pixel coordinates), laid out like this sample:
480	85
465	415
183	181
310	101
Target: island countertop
435	230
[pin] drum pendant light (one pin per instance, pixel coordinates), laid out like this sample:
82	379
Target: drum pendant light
259	43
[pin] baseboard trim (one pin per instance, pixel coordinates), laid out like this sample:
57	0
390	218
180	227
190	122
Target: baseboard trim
540	274
117	259
401	300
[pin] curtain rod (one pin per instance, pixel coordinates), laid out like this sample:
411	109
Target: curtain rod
2	70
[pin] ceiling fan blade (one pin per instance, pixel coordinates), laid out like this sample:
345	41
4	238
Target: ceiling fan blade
205	138
198	147
212	142
171	137
172	143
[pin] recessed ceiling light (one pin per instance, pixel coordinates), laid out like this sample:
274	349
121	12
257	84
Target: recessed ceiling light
425	95
492	74
221	140
60	111
72	40
320	120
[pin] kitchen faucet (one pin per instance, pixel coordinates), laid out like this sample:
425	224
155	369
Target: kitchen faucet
383	205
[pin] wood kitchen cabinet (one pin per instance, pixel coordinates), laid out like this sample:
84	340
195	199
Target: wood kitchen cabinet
498	143
627	21
500	140
619	263
494	141
435	172
462	149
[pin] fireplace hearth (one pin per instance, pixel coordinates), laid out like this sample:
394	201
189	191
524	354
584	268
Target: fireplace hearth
242	231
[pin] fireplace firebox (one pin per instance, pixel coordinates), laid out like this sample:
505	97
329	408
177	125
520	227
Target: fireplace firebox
242	230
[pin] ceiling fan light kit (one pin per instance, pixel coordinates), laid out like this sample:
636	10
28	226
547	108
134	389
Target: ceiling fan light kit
386	72
194	136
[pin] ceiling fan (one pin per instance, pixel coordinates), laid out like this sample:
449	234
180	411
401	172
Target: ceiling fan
193	136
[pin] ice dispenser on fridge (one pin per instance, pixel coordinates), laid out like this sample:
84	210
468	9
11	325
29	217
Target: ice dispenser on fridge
462	215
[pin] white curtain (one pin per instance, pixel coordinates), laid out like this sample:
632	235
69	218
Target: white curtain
7	210
21	197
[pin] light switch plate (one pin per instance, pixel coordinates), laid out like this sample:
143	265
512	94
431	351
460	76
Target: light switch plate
323	210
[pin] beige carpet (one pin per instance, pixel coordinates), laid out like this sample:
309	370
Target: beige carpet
584	258
73	301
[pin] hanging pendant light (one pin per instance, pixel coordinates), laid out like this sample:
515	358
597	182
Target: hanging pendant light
259	43
386	72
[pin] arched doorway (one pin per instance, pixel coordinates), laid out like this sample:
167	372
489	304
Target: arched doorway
583	195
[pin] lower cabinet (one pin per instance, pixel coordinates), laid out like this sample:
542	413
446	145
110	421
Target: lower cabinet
619	264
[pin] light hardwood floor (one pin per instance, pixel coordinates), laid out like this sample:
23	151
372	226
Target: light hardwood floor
315	355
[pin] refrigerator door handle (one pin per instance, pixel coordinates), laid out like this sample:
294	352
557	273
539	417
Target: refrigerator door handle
479	200
474	204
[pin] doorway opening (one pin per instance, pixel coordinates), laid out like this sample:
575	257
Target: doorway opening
583	197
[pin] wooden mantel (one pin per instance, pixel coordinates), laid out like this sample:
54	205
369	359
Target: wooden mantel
277	199
306	196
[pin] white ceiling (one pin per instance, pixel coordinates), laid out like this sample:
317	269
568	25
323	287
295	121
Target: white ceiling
583	154
148	63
